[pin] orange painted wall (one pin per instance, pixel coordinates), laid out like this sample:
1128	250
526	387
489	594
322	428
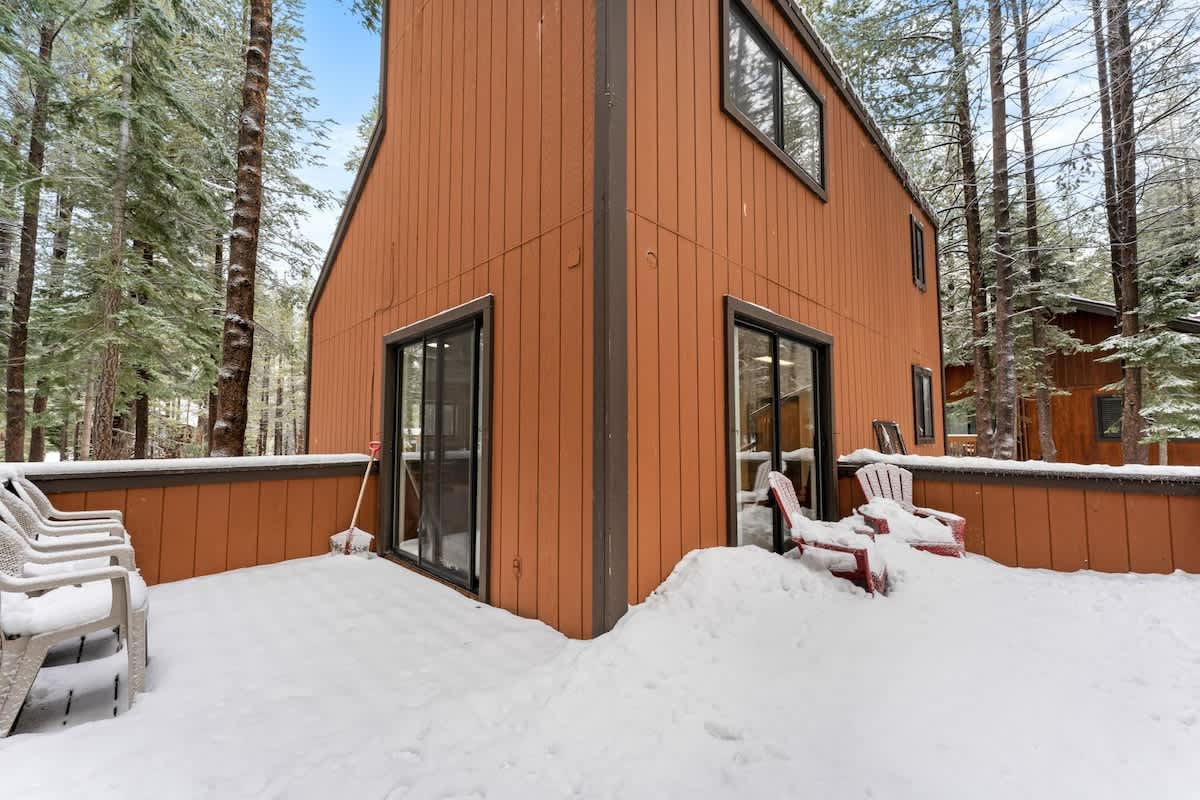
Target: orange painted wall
1064	529
711	212
483	184
182	532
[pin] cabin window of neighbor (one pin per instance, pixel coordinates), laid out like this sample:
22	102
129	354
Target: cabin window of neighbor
766	93
1108	417
918	252
923	404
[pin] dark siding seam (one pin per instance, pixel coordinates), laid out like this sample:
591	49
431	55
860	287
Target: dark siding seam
610	414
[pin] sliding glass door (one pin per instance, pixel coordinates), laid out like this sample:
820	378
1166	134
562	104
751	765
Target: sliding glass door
437	478
777	426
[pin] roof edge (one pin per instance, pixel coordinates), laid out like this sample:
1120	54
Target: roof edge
833	72
1106	309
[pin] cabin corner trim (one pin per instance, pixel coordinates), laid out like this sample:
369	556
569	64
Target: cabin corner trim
610	358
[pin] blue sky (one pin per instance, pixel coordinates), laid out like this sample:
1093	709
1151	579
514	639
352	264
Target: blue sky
344	60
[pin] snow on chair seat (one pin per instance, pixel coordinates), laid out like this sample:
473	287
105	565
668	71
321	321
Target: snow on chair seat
37	613
918	531
891	482
843	548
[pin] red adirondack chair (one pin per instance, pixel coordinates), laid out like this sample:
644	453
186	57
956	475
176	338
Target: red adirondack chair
894	483
846	550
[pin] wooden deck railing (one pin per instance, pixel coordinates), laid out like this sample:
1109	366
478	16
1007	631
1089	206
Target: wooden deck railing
190	517
1056	519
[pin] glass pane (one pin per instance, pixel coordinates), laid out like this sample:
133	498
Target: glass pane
798	423
754	433
927	404
451	536
752	72
801	125
408	425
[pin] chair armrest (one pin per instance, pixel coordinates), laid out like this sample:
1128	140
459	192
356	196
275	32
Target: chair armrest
120	555
43	583
878	525
48	545
945	516
840	548
111	528
70	516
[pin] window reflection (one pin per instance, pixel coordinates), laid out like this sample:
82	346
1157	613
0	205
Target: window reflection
775	428
752	72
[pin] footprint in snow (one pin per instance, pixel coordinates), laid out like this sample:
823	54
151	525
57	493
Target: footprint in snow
719	730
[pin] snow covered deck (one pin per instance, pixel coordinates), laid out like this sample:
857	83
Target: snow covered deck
745	675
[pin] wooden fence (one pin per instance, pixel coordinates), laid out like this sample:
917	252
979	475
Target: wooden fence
201	516
1063	521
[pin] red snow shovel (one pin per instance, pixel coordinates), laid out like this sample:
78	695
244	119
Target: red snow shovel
352	540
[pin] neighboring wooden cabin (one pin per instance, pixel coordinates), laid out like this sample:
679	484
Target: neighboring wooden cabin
584	267
1087	420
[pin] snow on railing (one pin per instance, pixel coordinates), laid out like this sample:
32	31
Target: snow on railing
178	466
973	465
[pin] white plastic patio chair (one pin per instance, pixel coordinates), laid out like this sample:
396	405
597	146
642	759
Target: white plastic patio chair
22	516
34	496
38	612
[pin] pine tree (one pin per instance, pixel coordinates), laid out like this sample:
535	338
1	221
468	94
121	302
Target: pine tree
229	433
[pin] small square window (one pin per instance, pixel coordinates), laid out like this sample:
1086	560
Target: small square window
923	404
1108	417
918	252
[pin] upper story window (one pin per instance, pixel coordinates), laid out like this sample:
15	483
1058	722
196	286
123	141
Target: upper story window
918	252
923	404
765	91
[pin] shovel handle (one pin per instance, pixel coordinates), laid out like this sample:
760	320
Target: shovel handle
374	448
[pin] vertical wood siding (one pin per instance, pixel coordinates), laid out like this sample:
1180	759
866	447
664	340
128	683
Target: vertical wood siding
1083	376
483	184
1064	529
183	532
712	212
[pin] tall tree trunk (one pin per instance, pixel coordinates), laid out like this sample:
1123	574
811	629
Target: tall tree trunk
264	414
58	263
1120	47
83	448
237	342
18	337
277	443
8	232
978	286
1039	317
141	403
110	361
218	282
1005	390
37	433
64	434
1106	144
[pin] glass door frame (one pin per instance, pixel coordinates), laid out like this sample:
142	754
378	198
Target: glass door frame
740	313
480	312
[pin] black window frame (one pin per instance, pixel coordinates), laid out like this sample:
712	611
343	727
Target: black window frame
768	40
1097	402
920	417
480	311
739	313
917	251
